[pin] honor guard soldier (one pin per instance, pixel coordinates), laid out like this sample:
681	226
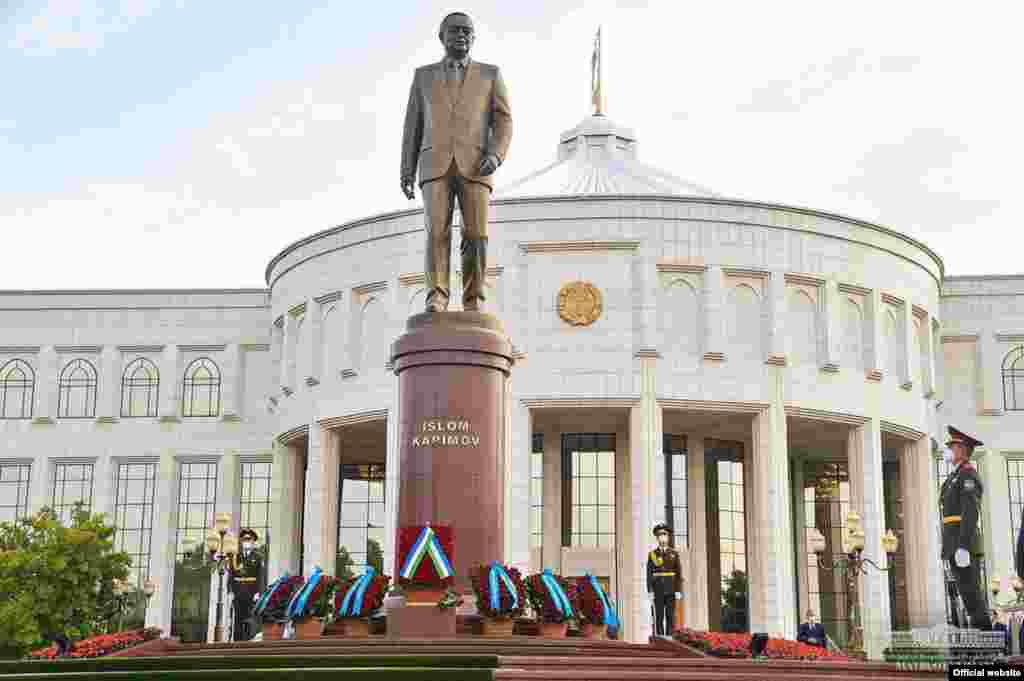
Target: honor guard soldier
664	581
246	573
961	541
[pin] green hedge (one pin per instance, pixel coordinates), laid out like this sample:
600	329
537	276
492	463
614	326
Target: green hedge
254	662
381	674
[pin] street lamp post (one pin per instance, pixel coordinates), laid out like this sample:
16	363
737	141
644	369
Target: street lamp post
148	589
855	564
222	545
119	588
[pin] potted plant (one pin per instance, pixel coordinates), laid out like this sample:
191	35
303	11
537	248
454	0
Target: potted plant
500	597
272	608
312	604
592	606
548	599
355	600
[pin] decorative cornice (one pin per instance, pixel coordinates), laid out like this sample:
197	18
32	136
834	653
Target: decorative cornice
43	420
518	355
681	268
830	368
197	458
371	287
578	246
853	289
776	360
495	271
312	381
907	385
106	419
873	375
713	405
327	298
389	365
231	418
297	433
1010	337
579	402
919	312
824	415
714	356
15	461
961	338
79	349
891	299
647	353
354	419
141	348
296	310
805	279
203	348
74	459
745	272
19	349
991	412
348	373
901	431
170	418
255	347
412	279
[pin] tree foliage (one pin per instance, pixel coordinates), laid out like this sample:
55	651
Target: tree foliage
57	579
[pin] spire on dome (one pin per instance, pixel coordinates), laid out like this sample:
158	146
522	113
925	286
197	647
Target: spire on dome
596	91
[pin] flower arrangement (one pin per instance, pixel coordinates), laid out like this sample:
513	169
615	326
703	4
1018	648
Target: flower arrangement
450	599
586	601
98	646
373	596
426	553
546	593
273	604
484	583
719	644
319	598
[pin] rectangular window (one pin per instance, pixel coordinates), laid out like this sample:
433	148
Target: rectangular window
588	490
537	492
133	516
826	503
674	448
360	518
197	501
1015	476
14	489
72	482
255	499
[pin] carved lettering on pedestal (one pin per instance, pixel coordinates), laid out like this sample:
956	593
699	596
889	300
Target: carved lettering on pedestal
444	432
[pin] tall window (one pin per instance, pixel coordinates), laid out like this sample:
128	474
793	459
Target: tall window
1013	380
140	389
826	503
537	492
674	448
731	521
361	517
1015	475
76	395
133	515
588	490
255	501
14	486
197	499
201	395
17	390
72	482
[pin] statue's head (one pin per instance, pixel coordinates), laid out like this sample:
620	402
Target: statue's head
457	34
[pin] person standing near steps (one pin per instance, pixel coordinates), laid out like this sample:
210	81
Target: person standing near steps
664	581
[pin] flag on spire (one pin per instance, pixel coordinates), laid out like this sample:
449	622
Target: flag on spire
596	93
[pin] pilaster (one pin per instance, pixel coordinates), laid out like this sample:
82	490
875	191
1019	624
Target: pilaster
637	620
936	357
229	481
777	338
517	497
315	500
164	543
104	481
171	384
109	384
1000	543
392	478
832	342
314	350
40	484
989	383
864	450
552	549
284	547
714	317
800	523
232	371
45	407
288	350
696	586
909	347
873	335
919	541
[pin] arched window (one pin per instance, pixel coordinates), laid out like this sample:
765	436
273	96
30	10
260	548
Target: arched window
17	389
76	393
140	389
201	394
680	323
744	324
1013	380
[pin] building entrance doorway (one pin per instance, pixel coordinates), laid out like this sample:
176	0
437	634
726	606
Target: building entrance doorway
728	591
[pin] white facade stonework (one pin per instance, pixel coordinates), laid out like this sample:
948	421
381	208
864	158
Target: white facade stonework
793	336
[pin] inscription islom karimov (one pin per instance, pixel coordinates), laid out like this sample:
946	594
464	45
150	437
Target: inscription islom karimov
445	433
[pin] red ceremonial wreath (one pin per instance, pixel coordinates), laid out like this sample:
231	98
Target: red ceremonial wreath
426	574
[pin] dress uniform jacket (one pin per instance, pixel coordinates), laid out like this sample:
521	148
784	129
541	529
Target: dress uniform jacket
664	572
960	498
245	582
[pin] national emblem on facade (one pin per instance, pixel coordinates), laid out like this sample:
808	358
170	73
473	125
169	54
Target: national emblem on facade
579	303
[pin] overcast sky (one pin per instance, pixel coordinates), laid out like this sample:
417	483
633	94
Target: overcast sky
183	143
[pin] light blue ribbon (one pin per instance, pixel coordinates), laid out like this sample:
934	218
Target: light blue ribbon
610	618
497	571
298	604
352	604
261	604
556	593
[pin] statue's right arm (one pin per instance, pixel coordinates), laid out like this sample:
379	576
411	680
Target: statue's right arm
412	136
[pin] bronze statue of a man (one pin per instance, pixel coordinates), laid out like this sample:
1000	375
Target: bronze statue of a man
458	126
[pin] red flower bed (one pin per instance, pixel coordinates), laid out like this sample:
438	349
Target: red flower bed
720	644
101	645
482	587
373	597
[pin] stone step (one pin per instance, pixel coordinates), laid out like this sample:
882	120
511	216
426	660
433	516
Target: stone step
510	650
708	664
743	672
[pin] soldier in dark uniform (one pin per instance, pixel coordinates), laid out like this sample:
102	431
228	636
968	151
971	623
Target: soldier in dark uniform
246	574
961	541
664	581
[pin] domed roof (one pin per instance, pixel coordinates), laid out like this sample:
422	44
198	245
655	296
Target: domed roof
598	156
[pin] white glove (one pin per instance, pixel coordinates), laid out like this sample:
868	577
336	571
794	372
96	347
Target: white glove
255	598
650	595
962	558
679	595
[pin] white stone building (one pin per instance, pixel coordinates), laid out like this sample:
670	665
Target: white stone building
757	370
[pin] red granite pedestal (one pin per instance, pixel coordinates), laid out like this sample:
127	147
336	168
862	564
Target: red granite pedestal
453	369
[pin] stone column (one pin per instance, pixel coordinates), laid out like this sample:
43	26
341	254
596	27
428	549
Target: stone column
392	474
697	584
315	346
45	407
927	356
40	484
233	371
864	449
909	347
920	548
552	549
104	485
1000	542
228	492
938	383
770	548
517	517
933	568
714	318
164	543
170	384
276	353
800	538
288	350
832	311
777	337
320	526
284	546
873	334
989	363
108	400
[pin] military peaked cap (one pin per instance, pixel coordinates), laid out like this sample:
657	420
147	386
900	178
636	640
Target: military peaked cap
248	532
662	527
963	438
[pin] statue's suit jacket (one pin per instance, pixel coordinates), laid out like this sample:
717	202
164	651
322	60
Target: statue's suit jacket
460	123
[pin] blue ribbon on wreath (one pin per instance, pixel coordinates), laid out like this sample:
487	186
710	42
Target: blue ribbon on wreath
557	594
610	618
261	604
298	604
352	604
498	571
